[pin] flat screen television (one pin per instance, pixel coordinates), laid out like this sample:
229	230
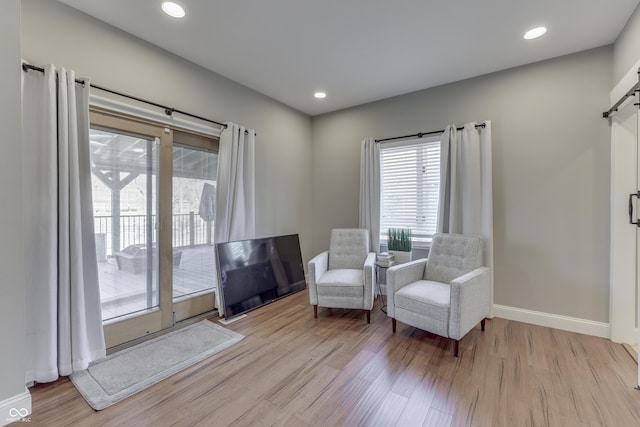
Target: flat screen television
255	272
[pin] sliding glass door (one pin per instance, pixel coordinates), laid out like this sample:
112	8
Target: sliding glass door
125	201
193	202
153	195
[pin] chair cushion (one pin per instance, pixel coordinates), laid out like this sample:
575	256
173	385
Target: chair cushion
452	255
428	299
342	283
348	248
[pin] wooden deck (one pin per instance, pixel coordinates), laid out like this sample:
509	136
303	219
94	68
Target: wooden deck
123	292
336	370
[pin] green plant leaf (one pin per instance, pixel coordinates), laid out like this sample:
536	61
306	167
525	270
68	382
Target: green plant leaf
399	239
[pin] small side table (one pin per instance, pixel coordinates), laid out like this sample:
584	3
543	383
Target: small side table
381	280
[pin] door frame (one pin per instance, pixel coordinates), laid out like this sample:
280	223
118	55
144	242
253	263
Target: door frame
120	331
168	313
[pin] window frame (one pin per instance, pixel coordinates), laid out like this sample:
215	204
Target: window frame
419	240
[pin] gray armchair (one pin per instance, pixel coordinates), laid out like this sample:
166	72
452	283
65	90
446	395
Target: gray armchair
447	294
343	276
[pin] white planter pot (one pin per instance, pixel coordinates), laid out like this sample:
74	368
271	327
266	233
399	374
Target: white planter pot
401	256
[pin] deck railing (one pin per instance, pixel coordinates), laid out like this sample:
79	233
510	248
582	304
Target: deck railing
188	230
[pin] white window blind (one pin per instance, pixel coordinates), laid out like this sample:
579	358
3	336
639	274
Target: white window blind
410	188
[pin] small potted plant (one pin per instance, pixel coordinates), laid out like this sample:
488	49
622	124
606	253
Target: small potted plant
399	244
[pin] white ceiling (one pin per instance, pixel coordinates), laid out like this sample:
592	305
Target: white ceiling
360	51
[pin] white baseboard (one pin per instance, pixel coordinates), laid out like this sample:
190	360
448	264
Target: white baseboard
556	321
16	408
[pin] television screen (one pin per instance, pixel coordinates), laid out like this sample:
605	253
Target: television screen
255	272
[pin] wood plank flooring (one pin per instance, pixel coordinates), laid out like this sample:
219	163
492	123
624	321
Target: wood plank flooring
294	370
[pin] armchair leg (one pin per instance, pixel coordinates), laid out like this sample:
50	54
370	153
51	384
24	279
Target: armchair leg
368	314
482	324
455	347
315	311
393	324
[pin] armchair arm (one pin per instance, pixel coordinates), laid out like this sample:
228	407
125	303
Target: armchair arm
470	301
402	275
317	267
369	280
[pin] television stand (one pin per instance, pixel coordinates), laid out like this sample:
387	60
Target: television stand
226	321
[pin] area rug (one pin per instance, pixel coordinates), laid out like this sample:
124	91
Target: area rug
129	371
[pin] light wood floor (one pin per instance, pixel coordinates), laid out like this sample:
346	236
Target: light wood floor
294	370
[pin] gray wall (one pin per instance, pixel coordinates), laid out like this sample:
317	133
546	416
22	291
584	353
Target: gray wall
550	173
626	50
12	302
55	33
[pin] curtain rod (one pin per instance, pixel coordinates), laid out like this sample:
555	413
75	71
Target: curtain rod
631	92
167	110
421	134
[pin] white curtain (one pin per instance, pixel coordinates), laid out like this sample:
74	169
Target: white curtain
370	191
466	189
235	188
64	320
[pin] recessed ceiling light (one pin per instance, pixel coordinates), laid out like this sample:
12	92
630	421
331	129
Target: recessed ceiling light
173	9
320	95
535	33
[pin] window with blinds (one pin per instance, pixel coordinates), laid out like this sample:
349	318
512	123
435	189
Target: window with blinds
410	188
